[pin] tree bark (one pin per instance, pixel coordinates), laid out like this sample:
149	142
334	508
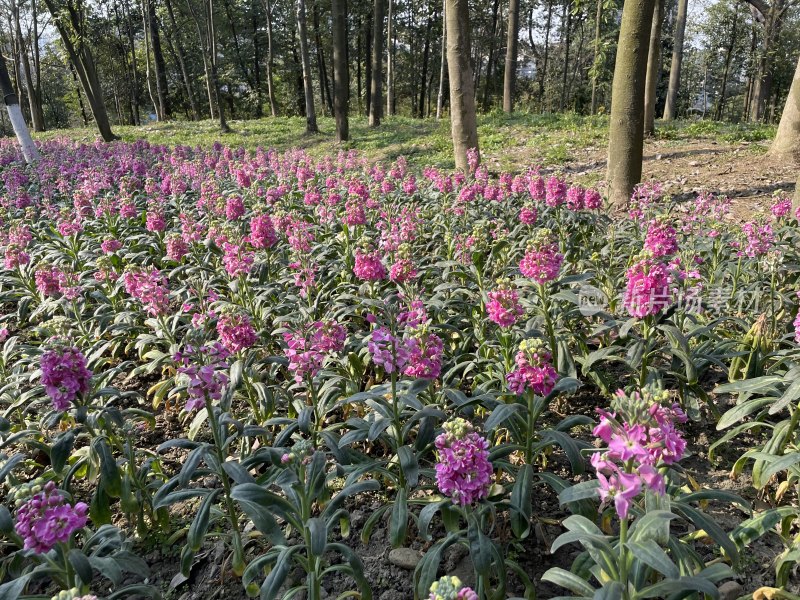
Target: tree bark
11	101
71	33
598	32
626	127
180	52
390	61
426	54
487	86
212	45
34	98
727	69
787	139
205	54
567	20
324	85
463	120
671	108
653	69
442	63
273	103
512	41
158	60
546	51
376	91
308	86
341	76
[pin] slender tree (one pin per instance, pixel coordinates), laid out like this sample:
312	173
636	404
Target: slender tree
273	103
11	101
670	109
390	60
68	17
512	41
308	85
341	76
212	45
463	120
653	69
626	129
442	64
376	89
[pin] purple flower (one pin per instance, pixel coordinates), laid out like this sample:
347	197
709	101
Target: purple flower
206	368
534	370
620	487
64	374
424	355
369	267
387	350
556	192
463	471
661	239
46	519
149	287
262	232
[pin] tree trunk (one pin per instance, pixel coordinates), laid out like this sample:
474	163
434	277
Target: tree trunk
463	121
78	93
158	60
151	89
426	53
512	40
442	63
598	32
671	108
341	77
187	82
787	139
487	86
83	62
545	56
567	18
34	99
27	146
206	61
653	69
324	85
273	104
376	92
212	45
308	86
773	21
134	71
390	61
726	71
368	67
626	127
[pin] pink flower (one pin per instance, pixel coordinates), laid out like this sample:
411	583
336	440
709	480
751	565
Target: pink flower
234	208
236	332
527	214
781	207
592	200
534	370
661	239
647	291
238	260
621	488
402	270
110	245
760	238
148	286
424	355
556	192
46	519
369	267
575	197
64	374
504	307
542	260
155	221
463	470
177	247
262	232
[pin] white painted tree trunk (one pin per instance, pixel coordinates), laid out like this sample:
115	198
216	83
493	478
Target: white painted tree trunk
29	150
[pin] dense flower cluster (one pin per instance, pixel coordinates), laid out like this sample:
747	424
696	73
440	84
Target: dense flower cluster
640	439
64	374
307	349
236	332
534	370
760	238
463	470
73	594
542	260
46	519
647	291
388	351
450	587
504	307
661	239
148	286
424	354
368	266
206	367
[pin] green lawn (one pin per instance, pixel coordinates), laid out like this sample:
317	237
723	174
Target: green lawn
507	141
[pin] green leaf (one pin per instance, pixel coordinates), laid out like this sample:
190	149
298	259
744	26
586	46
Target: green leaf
61	450
521	501
398	523
702	521
14	588
650	522
650	553
569	581
753	528
109	473
501	414
740	411
260	504
318	536
679	588
579	491
81	565
199	527
409	464
271	587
